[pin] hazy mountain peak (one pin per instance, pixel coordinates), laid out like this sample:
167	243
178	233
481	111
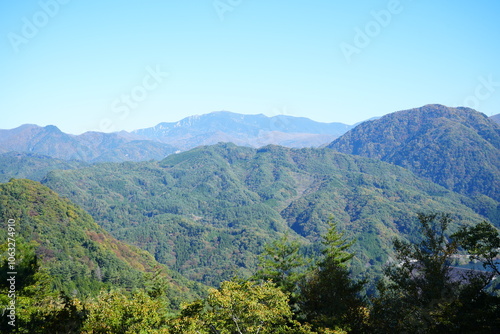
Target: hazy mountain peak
247	130
52	129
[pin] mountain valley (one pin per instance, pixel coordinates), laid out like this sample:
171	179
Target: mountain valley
206	214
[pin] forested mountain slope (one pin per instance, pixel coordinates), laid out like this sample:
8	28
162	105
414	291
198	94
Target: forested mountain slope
458	148
32	166
207	212
79	255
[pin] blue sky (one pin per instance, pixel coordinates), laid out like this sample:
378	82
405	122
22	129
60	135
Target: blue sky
123	65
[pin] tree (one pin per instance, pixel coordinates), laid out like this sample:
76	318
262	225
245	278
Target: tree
482	243
116	312
281	263
330	298
425	267
425	294
420	284
38	308
239	307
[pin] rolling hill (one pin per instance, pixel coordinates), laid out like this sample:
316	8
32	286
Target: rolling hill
207	212
32	166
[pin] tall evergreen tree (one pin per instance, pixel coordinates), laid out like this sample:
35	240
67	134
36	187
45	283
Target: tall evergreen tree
282	263
330	298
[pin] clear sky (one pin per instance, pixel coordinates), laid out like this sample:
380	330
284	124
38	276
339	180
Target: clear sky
122	65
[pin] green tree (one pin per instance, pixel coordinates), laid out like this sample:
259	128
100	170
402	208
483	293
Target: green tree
420	286
425	294
116	312
425	271
38	308
482	243
282	263
239	307
330	298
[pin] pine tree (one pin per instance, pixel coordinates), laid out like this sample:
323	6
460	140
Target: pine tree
282	263
330	298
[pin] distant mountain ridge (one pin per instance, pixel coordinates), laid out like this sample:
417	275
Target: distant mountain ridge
166	138
244	130
32	166
89	146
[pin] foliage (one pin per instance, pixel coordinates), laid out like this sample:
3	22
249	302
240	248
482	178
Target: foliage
239	307
424	269
482	243
425	294
422	296
80	257
336	247
116	312
38	309
283	264
330	298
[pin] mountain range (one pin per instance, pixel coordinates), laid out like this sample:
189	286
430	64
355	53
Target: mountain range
206	213
244	130
166	138
88	147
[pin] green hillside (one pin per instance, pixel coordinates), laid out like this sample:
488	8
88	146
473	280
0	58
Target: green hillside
31	166
458	148
208	212
80	256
